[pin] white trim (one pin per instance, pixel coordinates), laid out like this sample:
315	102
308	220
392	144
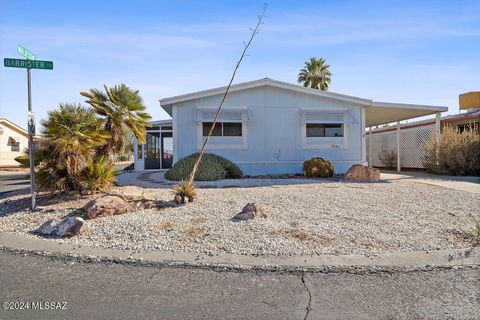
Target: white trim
363	138
407	106
399	156
306	145
288	162
174	134
260	83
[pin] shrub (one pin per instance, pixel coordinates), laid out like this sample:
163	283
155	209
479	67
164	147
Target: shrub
185	190
388	158
318	167
212	167
122	157
98	175
24	161
458	153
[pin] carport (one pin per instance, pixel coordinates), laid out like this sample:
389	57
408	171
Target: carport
385	113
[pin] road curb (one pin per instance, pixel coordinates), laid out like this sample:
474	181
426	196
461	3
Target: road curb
388	262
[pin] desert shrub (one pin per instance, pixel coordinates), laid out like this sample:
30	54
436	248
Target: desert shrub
388	158
122	157
185	189
458	153
98	175
318	167
212	167
24	161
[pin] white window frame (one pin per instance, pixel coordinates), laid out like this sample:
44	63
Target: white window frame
347	119
201	138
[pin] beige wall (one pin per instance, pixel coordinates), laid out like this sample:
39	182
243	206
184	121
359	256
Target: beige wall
7	156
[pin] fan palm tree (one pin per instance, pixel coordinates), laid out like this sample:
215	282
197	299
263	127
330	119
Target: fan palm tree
123	113
73	133
315	74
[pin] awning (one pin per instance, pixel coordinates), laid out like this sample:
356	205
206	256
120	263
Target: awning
337	115
206	114
383	112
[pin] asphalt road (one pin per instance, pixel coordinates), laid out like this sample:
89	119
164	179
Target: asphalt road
11	180
113	291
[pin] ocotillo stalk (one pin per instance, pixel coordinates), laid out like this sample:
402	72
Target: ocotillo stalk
247	45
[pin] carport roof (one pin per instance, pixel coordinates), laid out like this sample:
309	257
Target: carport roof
377	113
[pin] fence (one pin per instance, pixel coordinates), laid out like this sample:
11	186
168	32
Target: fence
412	141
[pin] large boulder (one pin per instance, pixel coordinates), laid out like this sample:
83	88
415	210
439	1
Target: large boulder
359	173
107	206
250	211
66	227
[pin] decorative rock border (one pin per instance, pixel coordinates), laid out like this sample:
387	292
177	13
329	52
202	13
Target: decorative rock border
402	261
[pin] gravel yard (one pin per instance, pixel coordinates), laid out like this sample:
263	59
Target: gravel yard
305	219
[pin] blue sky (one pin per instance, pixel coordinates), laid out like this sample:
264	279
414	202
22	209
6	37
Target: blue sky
424	52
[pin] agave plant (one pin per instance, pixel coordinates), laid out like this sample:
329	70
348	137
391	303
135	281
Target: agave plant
123	113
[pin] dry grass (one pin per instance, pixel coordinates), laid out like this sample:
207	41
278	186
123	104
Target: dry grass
299	234
276	233
325	241
166	226
194	231
199	220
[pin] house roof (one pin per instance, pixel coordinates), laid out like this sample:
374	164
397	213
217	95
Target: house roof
16	127
376	112
261	83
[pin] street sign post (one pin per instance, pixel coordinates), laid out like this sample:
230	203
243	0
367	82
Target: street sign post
24	52
30	63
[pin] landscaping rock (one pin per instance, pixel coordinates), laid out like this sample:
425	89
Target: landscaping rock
250	211
107	206
66	227
359	173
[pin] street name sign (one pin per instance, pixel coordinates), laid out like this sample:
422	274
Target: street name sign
26	53
28	64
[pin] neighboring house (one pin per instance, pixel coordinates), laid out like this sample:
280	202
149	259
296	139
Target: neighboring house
413	136
272	127
13	142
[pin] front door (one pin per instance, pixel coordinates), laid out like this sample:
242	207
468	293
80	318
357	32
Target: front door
152	151
167	150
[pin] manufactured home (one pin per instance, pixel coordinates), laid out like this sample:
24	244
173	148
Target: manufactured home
270	127
13	142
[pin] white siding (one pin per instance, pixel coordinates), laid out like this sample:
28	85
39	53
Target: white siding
274	131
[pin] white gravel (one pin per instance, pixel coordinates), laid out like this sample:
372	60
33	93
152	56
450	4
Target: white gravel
305	219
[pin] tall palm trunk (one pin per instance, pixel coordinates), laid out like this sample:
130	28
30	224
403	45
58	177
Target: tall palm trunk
255	31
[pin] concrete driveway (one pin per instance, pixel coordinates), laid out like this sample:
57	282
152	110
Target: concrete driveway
13	180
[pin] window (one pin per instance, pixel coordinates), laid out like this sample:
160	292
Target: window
139	152
167	128
223	129
324	130
16	146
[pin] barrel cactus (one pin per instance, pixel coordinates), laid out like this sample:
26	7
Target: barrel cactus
318	168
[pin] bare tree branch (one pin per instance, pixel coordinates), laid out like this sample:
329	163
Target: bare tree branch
254	31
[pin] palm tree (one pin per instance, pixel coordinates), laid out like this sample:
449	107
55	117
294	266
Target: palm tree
315	74
123	113
73	132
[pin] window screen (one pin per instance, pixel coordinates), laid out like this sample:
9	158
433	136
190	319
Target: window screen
225	129
324	130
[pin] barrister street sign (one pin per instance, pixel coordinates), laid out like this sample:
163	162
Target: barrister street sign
28	64
26	53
